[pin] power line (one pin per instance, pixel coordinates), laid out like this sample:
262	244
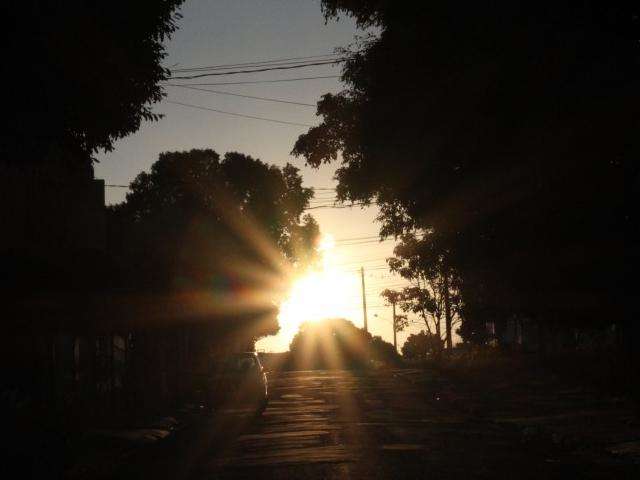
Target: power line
369	237
327	195
361	261
325	200
266	99
265	119
127	186
257	70
362	240
378	289
377	268
362	204
400	282
257	62
258	67
365	242
253	82
369	269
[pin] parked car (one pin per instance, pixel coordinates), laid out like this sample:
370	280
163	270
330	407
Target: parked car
238	380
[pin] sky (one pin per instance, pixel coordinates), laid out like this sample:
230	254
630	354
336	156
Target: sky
237	31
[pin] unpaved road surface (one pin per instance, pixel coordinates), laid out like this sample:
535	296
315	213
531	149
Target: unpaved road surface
341	424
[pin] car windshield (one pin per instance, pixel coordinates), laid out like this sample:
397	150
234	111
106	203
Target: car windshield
240	363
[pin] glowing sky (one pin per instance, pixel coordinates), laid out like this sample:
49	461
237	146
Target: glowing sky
234	31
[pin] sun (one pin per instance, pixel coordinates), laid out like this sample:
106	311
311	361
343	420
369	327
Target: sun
328	292
326	244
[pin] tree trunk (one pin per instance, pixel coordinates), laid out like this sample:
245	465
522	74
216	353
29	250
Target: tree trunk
424	315
426	321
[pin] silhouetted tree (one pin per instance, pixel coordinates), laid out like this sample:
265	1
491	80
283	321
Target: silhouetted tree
383	351
231	226
508	130
419	301
394	297
336	343
424	261
421	346
84	75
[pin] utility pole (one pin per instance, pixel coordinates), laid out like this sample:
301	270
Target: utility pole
364	301
395	327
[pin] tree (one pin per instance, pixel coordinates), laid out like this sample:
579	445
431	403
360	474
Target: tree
419	301
231	226
502	145
336	343
425	261
86	74
382	351
420	346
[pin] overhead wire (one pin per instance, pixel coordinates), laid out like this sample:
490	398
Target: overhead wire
359	204
364	242
257	62
360	261
265	99
265	119
317	203
255	82
258	66
324	200
368	237
257	70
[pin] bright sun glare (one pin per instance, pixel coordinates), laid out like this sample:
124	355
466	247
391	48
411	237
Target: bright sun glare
324	293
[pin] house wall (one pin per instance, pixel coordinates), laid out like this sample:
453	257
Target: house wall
82	371
43	209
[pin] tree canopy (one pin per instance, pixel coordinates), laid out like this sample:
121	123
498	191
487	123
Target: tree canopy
508	129
85	75
434	296
231	226
336	343
420	346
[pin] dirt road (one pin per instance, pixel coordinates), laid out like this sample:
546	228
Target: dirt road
348	425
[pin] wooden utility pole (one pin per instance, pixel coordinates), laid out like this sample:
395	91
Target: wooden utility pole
395	327
364	301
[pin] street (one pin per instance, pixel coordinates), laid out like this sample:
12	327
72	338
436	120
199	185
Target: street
341	424
393	240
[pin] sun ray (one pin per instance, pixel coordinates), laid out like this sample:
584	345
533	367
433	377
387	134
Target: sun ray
324	292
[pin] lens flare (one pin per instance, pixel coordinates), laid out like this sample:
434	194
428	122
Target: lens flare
327	243
328	292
